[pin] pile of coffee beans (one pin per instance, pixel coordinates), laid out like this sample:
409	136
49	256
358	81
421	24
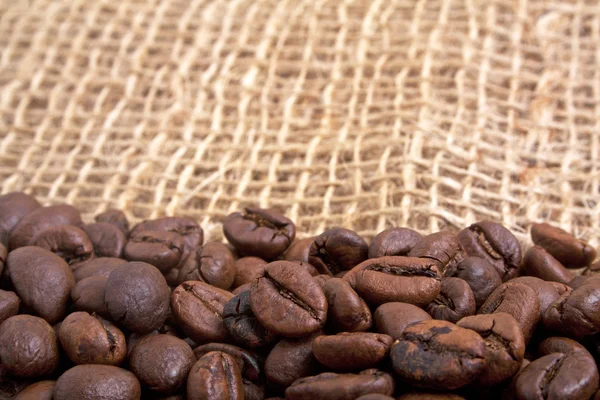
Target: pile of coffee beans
104	311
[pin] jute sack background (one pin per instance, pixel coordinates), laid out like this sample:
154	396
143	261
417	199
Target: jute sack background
430	114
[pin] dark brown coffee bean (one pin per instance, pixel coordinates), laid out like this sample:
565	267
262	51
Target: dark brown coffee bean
347	312
575	314
215	376
287	301
289	360
137	297
89	339
40	220
165	329
394	242
392	318
568	250
441	247
495	244
97	382
9	305
481	276
299	250
504	345
247	269
212	263
43	281
28	346
398	279
337	250
351	351
253	391
163	249
259	232
429	396
438	355
102	266
3	254
38	391
115	218
198	309
192	233
88	295
557	344
546	292
454	301
539	263
518	300
162	362
247	360
108	240
558	376
242	325
13	207
332	386
66	241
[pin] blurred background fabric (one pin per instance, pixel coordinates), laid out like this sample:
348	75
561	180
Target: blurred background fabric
430	114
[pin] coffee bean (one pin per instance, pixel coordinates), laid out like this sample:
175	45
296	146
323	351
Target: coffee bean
38	391
495	244
259	232
212	263
66	241
9	305
187	228
454	301
162	362
40	220
101	266
481	276
340	386
13	207
394	242
392	318
337	250
568	250
198	309
108	240
558	376
350	351
88	295
242	325
347	312
557	344
42	280
165	329
28	346
308	267
253	391
322	278
438	355
442	247
429	396
215	376
116	218
287	301
137	297
299	250
163	249
504	345
94	382
289	360
546	292
575	314
539	263
247	269
247	361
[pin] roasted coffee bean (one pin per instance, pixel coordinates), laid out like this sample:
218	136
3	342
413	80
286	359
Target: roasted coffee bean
108	240
287	301
392	318
546	292
289	360
163	249
161	362
242	325
192	233
518	300
13	207
568	250
340	386
66	241
558	376
504	345
539	263
137	297
3	254
454	301
9	305
259	232
43	281
116	218
89	339
95	382
481	276
165	329
351	351
40	220
394	242
442	247
215	376
247	269
28	346
38	391
299	250
102	266
347	312
438	355
404	279
247	361
429	396
557	344
198	309
495	244
575	314
88	295
337	250
212	263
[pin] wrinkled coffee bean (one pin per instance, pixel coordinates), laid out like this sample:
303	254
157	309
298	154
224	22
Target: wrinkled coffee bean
438	355
42	280
247	361
40	220
162	249
287	301
137	297
247	269
88	295
350	351
289	360
392	318
13	207
28	346
481	276
299	250
102	266
442	247
337	250
575	314
212	263
187	228
539	263
116	218
568	250
546	292
93	382
108	240
242	325
38	391
198	309
557	344
259	232
347	312
161	362
394	242
454	301
215	375
66	241
495	244
9	305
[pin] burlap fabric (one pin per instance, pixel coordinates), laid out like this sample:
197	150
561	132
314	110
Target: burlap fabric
423	113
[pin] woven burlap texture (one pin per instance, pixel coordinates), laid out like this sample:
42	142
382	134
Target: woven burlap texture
430	114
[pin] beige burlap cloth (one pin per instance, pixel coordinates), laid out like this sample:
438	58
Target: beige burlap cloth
430	114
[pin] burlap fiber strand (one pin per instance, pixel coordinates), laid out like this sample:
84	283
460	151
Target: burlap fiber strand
430	114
